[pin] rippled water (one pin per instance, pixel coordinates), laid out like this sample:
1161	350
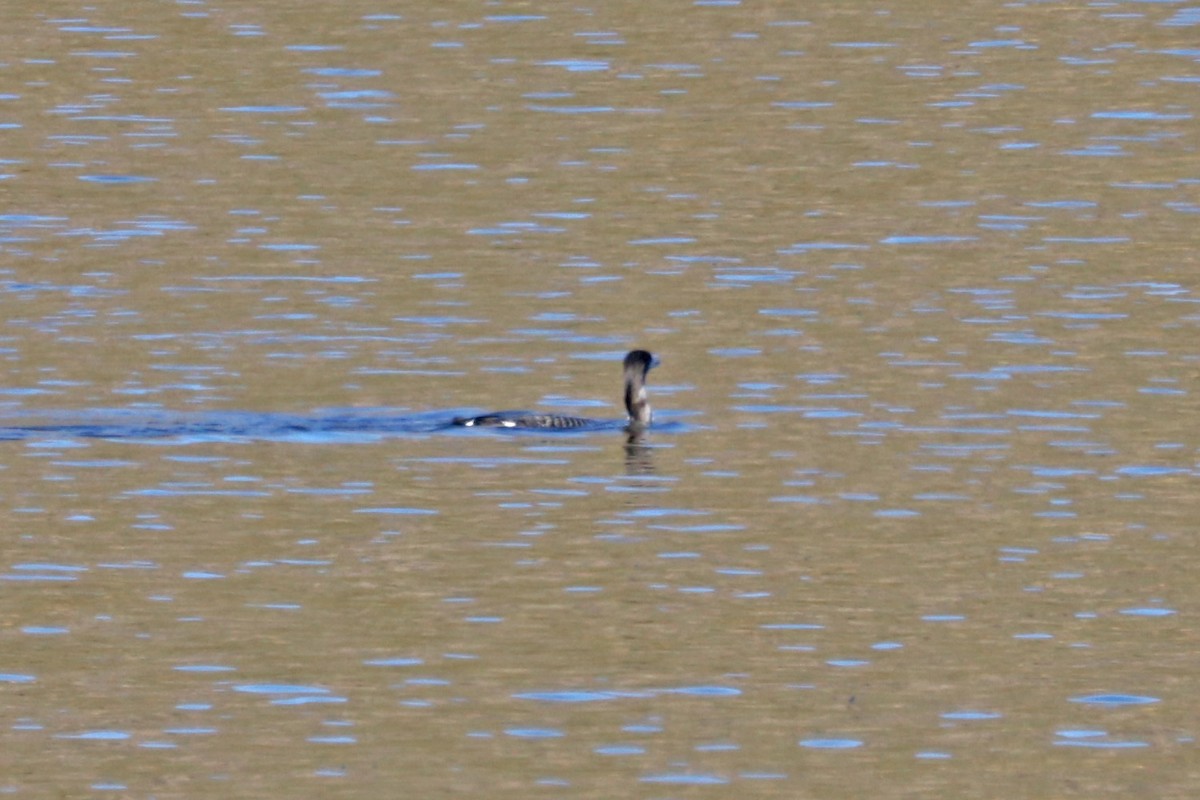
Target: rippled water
914	518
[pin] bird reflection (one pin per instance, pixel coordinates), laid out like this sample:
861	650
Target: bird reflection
639	456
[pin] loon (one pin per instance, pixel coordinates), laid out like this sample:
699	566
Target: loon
637	364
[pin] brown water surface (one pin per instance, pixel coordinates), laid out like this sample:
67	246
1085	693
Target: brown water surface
916	515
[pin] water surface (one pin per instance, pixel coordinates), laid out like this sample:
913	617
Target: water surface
916	518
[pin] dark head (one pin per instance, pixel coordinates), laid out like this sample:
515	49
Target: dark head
637	364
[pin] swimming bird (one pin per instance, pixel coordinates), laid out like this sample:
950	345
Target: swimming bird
637	363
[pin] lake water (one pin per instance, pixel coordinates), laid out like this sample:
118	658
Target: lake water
916	518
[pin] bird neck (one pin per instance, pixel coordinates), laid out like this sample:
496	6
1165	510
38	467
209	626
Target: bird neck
636	403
